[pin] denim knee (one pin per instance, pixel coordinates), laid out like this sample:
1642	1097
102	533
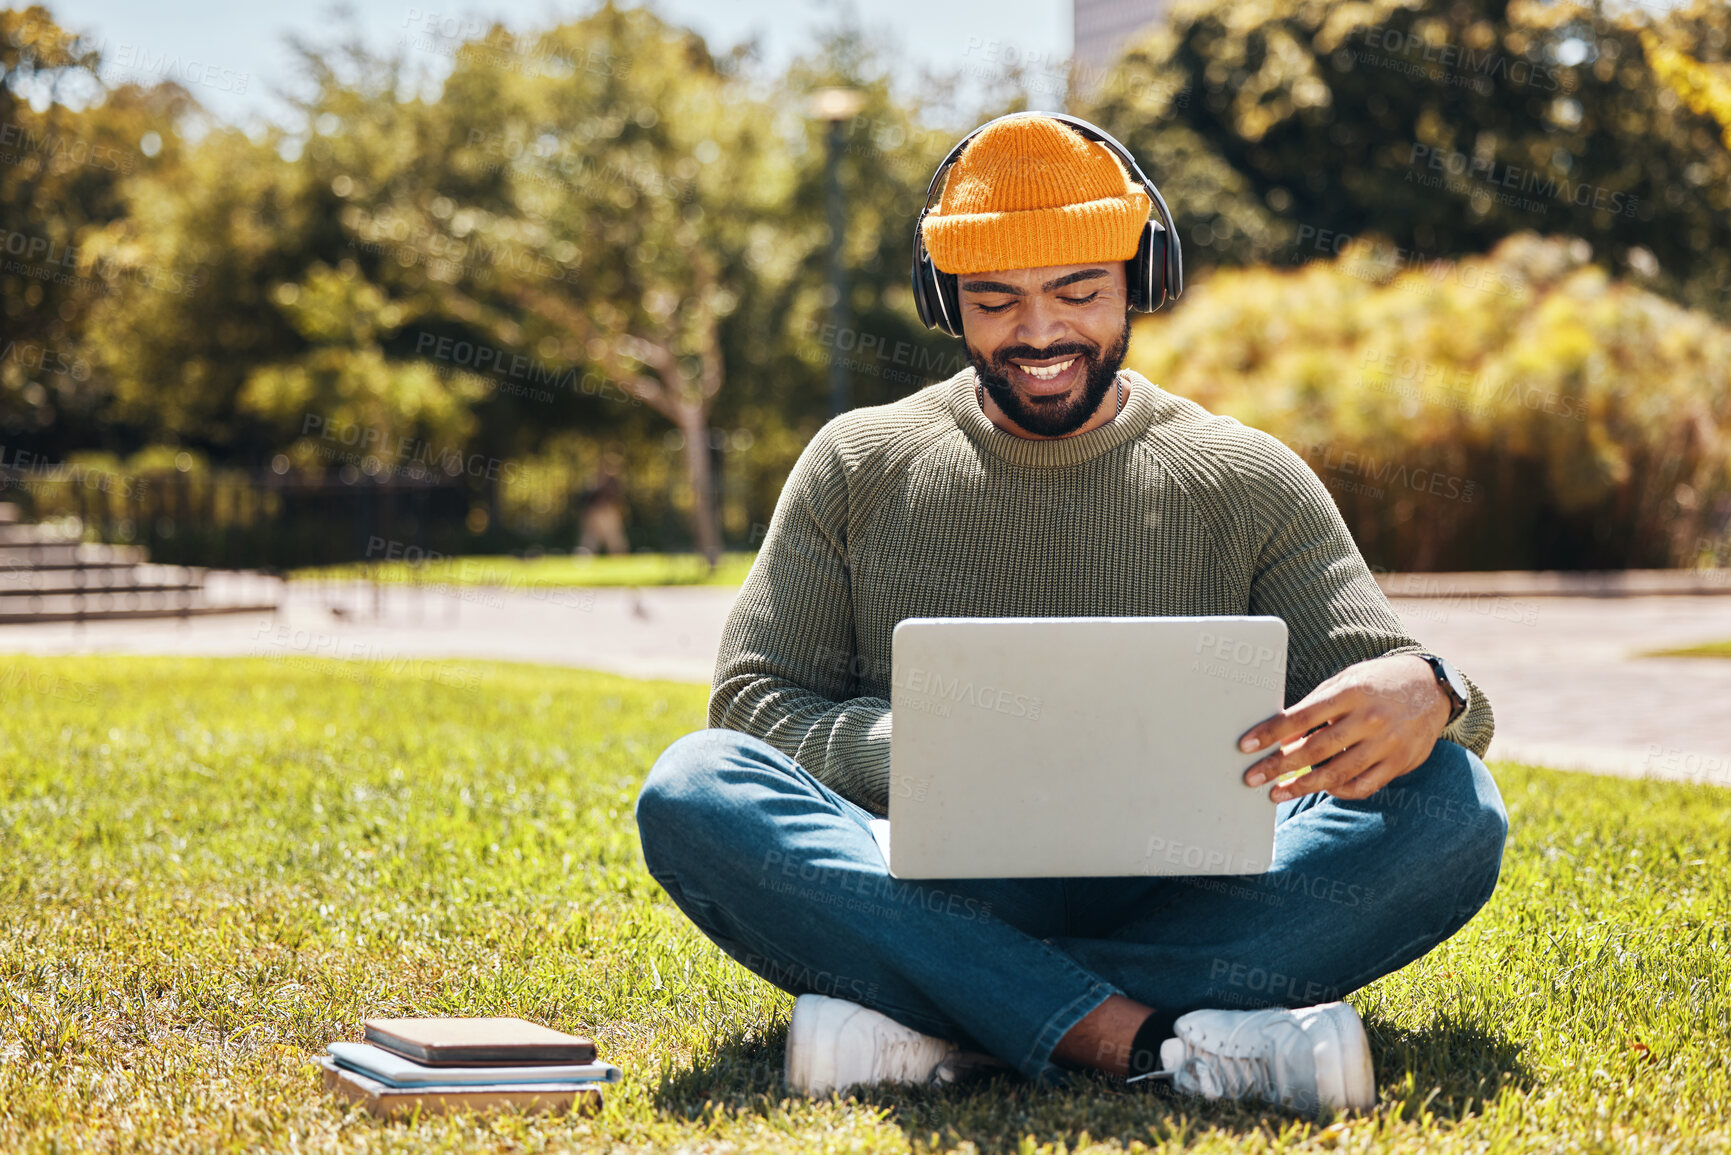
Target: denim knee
1491	831
1475	819
680	791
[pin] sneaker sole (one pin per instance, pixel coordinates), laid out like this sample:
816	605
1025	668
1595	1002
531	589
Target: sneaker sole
1342	1050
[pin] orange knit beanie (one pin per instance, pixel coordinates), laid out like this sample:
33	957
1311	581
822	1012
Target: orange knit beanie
1030	192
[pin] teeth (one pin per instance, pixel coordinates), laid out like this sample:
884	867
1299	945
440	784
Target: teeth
1046	372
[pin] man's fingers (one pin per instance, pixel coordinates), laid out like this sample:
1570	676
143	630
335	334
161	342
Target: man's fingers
1330	774
1368	782
1320	707
1354	731
1313	749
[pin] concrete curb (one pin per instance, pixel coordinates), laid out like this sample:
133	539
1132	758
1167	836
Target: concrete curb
1632	583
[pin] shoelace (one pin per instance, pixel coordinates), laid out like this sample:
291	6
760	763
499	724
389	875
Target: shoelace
892	1057
1231	1075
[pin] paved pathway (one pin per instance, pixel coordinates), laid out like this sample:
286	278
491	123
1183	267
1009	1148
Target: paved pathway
1569	689
1562	672
659	633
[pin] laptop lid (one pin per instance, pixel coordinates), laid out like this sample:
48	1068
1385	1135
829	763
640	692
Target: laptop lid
1080	747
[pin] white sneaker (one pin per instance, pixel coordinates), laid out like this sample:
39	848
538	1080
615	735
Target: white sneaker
1309	1059
833	1044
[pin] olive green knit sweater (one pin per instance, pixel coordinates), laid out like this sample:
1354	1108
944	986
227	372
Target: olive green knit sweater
924	508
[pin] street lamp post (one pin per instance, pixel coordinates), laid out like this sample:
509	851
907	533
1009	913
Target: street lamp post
837	106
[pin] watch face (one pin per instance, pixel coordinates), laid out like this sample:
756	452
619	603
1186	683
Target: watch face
1457	684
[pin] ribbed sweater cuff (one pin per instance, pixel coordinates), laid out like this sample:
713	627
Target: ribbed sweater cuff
874	762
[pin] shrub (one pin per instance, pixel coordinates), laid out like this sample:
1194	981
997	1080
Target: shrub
1518	410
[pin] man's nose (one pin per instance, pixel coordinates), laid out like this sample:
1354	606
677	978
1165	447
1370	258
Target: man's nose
1041	326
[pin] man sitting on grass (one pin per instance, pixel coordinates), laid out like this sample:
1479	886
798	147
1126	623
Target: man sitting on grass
1048	481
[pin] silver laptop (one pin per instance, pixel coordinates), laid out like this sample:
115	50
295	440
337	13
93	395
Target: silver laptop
1079	747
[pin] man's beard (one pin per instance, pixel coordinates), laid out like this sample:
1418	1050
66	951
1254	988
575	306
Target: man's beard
1063	413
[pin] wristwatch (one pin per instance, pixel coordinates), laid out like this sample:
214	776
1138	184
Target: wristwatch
1452	683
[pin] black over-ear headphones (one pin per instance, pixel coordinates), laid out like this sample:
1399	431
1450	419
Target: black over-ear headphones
1156	272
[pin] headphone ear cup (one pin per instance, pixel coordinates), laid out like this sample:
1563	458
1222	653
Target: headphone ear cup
923	303
1146	272
950	293
937	299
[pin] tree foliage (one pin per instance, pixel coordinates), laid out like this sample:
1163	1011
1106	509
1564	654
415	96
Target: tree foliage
1706	89
602	240
63	167
1442	125
588	226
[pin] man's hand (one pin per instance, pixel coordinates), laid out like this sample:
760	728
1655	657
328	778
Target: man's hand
1358	731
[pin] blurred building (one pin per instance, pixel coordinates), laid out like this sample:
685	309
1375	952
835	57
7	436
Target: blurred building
1104	27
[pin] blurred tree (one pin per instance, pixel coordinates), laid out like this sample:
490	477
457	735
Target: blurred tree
187	315
1279	127
624	193
632	211
277	330
1705	89
45	166
67	145
591	229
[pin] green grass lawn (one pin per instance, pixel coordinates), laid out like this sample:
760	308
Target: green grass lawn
638	569
209	869
1706	650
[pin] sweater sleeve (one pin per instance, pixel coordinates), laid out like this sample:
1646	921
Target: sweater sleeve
786	662
1309	572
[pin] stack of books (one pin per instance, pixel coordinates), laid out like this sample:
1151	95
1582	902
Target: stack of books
441	1065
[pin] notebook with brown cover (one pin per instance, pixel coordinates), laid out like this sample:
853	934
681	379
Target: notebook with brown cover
392	1102
477	1042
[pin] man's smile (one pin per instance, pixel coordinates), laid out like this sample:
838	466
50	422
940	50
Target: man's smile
1051	374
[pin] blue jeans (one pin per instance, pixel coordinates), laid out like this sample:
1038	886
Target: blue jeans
784	875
